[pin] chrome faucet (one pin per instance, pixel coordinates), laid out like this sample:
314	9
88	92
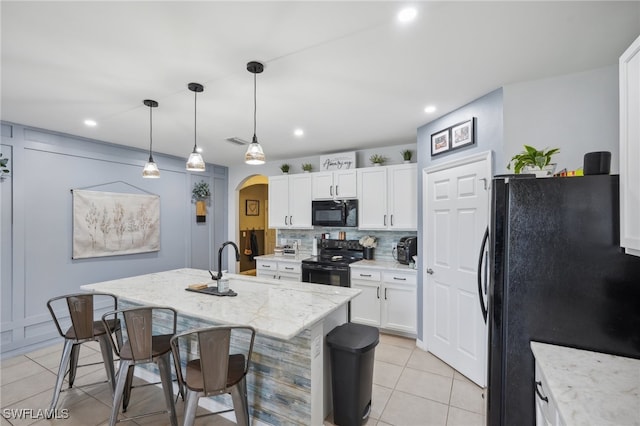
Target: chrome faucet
226	243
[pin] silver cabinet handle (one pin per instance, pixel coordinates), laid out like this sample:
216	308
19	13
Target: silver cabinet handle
399	279
391	220
331	190
265	266
336	190
385	293
429	271
288	268
378	292
385	220
285	220
290	220
365	275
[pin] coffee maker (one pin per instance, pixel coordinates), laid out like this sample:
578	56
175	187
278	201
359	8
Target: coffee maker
407	247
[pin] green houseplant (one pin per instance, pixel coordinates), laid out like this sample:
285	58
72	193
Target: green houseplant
377	159
285	168
307	167
532	159
201	191
407	154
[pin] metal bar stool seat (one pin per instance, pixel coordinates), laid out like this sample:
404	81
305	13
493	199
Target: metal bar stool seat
80	309
215	371
141	344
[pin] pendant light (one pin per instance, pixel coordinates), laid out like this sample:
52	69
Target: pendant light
150	170
195	163
254	154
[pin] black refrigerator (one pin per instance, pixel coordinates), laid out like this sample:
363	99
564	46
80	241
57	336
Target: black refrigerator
556	275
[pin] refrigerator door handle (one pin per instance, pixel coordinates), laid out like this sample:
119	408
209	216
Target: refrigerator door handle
483	308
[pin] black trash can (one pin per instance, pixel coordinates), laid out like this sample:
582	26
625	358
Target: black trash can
352	348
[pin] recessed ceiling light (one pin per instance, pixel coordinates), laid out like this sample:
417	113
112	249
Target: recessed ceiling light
90	123
298	132
407	14
430	109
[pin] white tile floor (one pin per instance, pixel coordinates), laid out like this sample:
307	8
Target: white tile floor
410	388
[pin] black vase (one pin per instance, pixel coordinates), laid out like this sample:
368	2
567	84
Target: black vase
367	253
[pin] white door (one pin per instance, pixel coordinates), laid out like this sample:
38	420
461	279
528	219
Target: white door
456	213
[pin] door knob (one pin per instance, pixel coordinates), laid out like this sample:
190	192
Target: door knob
429	271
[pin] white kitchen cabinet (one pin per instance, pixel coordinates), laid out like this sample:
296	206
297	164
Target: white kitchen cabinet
546	409
279	269
388	197
629	70
290	201
388	299
339	184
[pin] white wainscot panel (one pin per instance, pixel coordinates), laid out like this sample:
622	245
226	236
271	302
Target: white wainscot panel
441	312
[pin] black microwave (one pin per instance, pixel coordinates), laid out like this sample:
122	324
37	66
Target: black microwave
337	213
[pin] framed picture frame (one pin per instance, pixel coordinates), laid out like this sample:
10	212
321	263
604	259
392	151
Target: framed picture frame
252	208
462	134
440	142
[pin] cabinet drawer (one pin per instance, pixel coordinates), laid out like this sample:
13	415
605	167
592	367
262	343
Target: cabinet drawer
365	274
267	265
400	277
290	267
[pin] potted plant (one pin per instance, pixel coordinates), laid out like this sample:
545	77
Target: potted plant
406	155
306	167
377	159
285	168
200	193
532	160
369	243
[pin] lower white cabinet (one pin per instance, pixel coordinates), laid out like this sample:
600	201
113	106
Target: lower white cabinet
546	410
279	270
388	299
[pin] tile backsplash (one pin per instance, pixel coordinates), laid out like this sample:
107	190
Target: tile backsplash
384	250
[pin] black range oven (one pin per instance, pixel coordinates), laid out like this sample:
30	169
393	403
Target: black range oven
331	266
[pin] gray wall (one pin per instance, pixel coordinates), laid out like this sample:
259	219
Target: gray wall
577	113
489	130
36	223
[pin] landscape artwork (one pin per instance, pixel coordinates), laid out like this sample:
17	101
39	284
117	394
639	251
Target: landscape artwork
111	224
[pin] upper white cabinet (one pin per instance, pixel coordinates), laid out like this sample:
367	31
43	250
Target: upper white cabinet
630	149
290	201
339	184
388	197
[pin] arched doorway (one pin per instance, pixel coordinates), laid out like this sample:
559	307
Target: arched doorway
255	238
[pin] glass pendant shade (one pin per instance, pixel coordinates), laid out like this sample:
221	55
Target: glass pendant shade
150	170
195	163
254	155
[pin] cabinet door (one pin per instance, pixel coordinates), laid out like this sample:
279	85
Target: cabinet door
403	197
399	303
300	201
266	268
630	149
290	271
365	307
344	184
372	191
322	185
278	201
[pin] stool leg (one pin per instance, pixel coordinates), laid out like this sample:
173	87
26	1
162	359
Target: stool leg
167	385
62	371
127	388
73	365
190	407
107	358
119	390
240	403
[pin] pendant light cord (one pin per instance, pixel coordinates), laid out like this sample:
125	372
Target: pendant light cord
150	132
195	120
255	107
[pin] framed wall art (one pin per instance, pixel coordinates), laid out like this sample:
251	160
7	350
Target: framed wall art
440	142
462	134
252	208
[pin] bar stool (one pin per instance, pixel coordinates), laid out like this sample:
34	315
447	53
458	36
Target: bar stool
143	342
79	308
215	371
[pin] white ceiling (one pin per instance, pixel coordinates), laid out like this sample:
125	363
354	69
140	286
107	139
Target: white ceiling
346	72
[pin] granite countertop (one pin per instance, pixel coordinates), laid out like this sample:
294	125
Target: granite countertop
383	264
591	388
276	308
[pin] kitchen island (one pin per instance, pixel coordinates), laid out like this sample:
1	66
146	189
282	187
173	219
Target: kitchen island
289	380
